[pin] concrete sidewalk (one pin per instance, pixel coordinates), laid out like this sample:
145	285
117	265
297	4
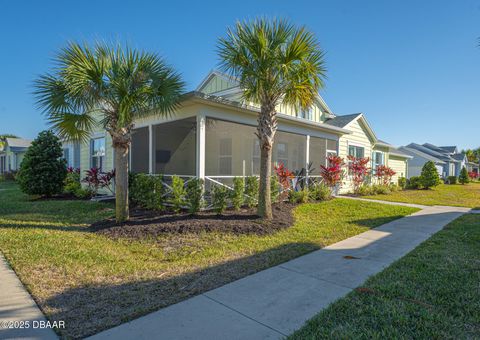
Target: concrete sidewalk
273	303
16	304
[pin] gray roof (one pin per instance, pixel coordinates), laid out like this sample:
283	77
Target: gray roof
398	152
450	149
431	152
459	156
415	152
18	142
342	121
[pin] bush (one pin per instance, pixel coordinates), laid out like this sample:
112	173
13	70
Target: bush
194	195
463	178
178	194
452	179
274	189
320	192
43	170
251	191
429	177
365	190
84	193
381	189
300	196
402	182
72	181
147	191
393	187
237	194
219	198
414	183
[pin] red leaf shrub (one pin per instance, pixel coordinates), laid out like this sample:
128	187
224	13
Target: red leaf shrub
332	174
96	179
284	177
473	174
384	174
359	170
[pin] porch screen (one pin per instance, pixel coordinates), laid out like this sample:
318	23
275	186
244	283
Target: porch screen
318	154
233	149
174	147
139	157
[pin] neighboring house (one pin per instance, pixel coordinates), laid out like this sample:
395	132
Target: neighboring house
12	154
447	159
71	153
212	136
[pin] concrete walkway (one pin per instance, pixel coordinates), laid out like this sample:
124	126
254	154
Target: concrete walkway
273	303
16	304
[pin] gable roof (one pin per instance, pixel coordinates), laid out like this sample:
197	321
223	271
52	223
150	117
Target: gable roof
431	152
459	156
342	121
18	142
233	88
450	149
415	152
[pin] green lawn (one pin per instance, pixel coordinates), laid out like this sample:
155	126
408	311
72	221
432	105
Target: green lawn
93	282
456	195
432	293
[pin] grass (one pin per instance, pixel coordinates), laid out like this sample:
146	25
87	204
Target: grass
456	195
93	282
432	293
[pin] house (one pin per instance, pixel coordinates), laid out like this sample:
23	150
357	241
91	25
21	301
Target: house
448	160
71	153
12	153
212	136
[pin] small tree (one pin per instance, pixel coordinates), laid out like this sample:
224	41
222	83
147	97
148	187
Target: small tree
332	174
359	170
43	170
429	177
463	178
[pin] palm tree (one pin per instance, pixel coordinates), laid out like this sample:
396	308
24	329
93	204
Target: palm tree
274	62
107	87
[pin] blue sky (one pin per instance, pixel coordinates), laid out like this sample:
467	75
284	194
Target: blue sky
413	67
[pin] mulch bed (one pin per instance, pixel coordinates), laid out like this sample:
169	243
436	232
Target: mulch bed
148	224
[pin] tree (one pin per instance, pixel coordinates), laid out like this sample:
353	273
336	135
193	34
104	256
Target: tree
43	170
463	177
274	62
107	87
429	177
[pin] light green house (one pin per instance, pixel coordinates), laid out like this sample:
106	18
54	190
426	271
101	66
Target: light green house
212	136
12	153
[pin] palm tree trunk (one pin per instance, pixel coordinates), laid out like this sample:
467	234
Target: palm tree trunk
267	126
121	183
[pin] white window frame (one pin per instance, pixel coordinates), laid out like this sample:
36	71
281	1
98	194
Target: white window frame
374	160
101	157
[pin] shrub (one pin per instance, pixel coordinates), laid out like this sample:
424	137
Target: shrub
320	192
194	195
463	178
414	182
393	187
359	170
251	191
219	198
332	174
72	181
429	177
402	182
84	193
96	180
452	179
381	189
300	196
43	170
365	190
274	189
237	194
384	174
285	177
147	191
177	198
473	175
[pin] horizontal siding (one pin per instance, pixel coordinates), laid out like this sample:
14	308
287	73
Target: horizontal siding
399	165
358	137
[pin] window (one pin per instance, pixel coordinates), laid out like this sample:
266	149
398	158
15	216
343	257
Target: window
66	156
282	154
305	113
356	151
97	152
377	159
225	156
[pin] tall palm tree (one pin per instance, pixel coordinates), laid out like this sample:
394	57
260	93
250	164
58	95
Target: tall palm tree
107	87
274	62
